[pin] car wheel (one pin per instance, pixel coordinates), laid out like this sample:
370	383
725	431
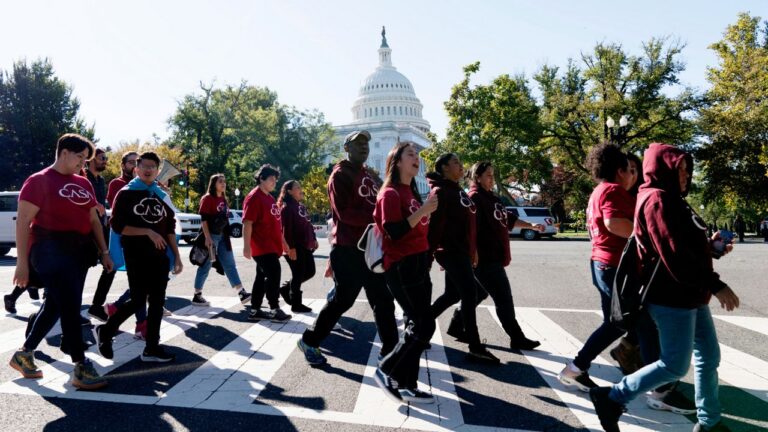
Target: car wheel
529	234
236	230
4	251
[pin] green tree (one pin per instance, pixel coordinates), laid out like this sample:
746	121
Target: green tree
315	187
36	108
497	122
734	123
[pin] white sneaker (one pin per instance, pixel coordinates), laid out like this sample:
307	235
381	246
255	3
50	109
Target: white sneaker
167	312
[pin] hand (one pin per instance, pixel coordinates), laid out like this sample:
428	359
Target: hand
208	242
328	271
247	251
538	227
106	262
21	276
178	266
475	260
728	246
315	245
292	254
430	205
157	239
100	210
728	299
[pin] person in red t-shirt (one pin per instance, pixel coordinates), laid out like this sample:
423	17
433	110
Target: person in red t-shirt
610	214
403	219
264	242
56	226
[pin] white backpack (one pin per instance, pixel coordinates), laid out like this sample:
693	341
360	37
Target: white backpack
370	243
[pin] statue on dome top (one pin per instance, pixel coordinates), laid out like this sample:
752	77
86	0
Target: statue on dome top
384	37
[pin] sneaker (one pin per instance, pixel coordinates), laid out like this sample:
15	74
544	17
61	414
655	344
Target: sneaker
416	396
456	327
140	333
110	309
98	313
245	297
606	409
10	304
388	385
278	316
285	292
34	294
523	343
85	377
24	362
300	308
627	356
199	300
719	427
580	380
258	315
312	355
167	312
103	343
156	355
482	355
85	322
671	400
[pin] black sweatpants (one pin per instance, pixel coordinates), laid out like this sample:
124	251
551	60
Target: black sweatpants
302	270
105	281
494	282
267	281
460	285
408	281
147	269
351	275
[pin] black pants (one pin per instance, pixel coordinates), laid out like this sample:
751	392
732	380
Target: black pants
62	269
147	269
351	275
302	270
105	281
267	281
460	285
408	281
494	282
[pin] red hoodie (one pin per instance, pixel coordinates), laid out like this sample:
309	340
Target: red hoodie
493	225
666	226
453	226
352	192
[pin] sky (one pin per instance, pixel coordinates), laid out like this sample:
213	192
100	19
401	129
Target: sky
131	62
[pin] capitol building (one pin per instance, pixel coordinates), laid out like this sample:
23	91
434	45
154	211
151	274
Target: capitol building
388	108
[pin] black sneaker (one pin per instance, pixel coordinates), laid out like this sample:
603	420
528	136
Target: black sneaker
416	396
258	315
85	322
103	343
523	343
388	385
671	400
300	308
245	297
199	300
580	380
33	293
606	409
10	304
278	316
482	355
98	313
456	327
285	292
719	427
156	355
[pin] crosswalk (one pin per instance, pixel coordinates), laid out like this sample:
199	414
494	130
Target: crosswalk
225	363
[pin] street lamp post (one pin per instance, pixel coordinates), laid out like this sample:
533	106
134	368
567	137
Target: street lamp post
237	198
617	135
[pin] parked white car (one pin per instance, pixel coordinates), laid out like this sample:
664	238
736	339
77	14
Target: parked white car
236	223
539	215
9	203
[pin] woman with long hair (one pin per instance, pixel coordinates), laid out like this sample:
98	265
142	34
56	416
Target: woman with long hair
403	219
300	236
214	211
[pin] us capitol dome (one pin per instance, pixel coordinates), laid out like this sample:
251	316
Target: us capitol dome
387	107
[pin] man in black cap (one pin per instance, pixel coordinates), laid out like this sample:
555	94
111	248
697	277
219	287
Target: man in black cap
352	191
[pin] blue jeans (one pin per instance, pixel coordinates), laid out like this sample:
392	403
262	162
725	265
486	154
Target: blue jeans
227	260
681	332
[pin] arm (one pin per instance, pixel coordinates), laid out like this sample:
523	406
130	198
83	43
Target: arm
247	230
436	225
98	232
178	265
619	226
519	223
26	213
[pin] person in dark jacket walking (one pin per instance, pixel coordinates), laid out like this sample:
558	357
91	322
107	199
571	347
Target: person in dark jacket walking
300	236
455	249
669	230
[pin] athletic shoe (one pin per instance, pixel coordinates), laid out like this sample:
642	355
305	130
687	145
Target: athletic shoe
580	380
85	322
523	343
606	409
103	343
199	300
110	309
10	304
245	297
167	312
278	316
24	362
671	400
285	292
34	294
98	313
140	333
85	377
30	323
456	327
312	355
719	427
388	385
416	396
481	354
157	355
258	315
627	356
300	308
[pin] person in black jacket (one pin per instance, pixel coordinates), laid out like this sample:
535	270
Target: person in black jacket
302	242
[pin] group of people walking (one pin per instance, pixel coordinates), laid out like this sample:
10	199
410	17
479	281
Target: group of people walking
63	230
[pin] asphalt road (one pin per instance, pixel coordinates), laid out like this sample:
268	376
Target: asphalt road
232	374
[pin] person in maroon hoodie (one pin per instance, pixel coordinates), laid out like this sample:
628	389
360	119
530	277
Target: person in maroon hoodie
300	236
455	250
352	191
669	230
403	219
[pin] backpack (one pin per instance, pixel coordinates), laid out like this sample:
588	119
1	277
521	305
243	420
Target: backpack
631	285
371	245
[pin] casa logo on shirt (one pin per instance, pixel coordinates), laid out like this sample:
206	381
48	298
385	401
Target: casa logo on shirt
76	194
368	190
303	213
500	214
275	211
150	210
416	206
467	202
222	207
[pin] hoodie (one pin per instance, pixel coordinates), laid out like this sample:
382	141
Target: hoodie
352	192
452	227
297	226
668	228
493	225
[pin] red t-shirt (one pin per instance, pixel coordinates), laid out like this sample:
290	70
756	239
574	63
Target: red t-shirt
267	233
608	201
394	204
113	188
214	210
65	201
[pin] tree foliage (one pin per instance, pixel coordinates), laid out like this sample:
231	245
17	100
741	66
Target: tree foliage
36	108
315	187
